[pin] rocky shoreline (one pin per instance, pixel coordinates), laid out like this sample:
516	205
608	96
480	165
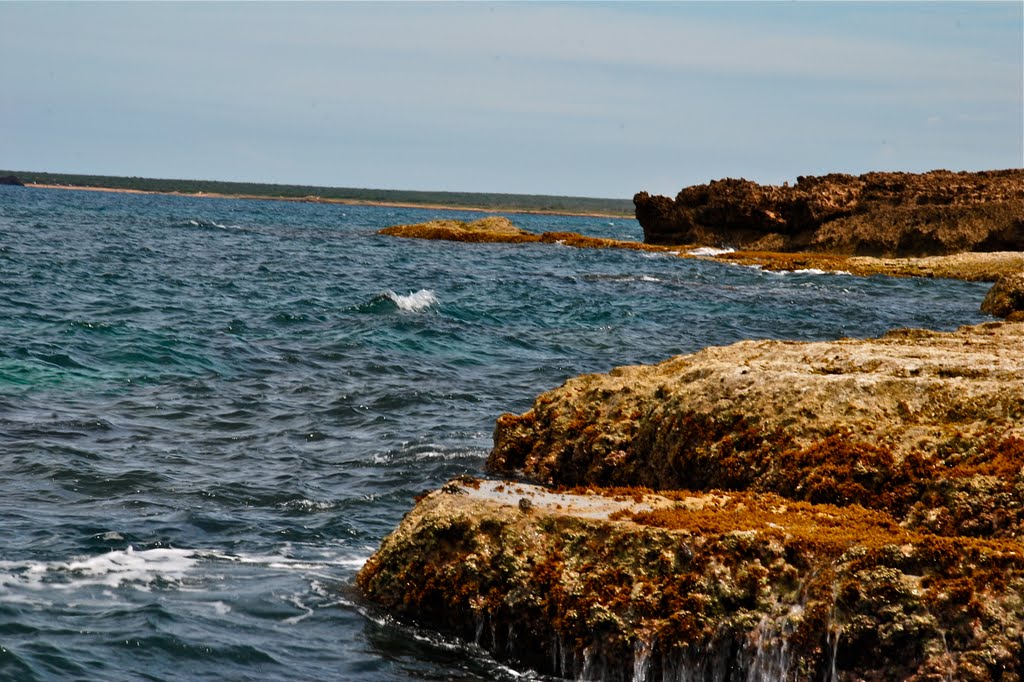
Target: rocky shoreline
848	510
969	266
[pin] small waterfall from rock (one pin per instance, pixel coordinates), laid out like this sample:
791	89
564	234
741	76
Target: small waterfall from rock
643	647
772	655
833	640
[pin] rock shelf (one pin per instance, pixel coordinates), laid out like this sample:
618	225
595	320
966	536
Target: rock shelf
847	510
630	585
969	266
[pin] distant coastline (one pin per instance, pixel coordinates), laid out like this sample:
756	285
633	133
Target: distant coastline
461	201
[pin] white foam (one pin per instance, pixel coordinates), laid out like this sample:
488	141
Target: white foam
387	458
112	569
282	562
221	608
816	271
297	603
304	505
211	223
709	251
415	301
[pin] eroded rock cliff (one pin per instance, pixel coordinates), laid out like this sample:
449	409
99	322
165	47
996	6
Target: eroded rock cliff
875	214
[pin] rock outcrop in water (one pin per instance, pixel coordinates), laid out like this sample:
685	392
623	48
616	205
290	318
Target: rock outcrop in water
849	510
11	180
630	585
875	214
1006	297
498	229
490	229
973	266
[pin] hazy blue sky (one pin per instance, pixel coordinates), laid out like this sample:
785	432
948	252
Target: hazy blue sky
590	99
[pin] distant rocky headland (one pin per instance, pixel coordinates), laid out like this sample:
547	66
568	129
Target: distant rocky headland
875	214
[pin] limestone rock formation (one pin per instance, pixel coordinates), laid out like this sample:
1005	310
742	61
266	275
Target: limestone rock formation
489	229
848	510
973	266
498	229
629	585
875	214
1006	297
925	426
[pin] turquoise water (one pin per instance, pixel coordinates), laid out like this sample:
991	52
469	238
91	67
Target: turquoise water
212	410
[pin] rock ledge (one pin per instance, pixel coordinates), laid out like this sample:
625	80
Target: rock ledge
630	585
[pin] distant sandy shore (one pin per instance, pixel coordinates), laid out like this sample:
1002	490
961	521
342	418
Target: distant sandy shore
321	200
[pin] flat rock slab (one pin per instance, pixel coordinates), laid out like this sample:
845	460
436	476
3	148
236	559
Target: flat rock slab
927	426
631	585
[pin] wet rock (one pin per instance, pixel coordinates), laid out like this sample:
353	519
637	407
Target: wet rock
875	214
497	229
629	585
849	510
1006	297
11	180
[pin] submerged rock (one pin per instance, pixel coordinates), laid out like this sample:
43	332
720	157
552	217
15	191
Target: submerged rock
875	214
1006	297
629	585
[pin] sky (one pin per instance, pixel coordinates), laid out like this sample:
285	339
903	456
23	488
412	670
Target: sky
588	99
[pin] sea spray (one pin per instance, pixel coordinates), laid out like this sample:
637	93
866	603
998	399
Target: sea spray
414	301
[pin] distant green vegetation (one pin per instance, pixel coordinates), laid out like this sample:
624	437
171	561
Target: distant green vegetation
496	202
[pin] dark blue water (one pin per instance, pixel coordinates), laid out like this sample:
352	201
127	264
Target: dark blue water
211	411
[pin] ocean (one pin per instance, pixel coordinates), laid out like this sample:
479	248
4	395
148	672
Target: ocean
213	410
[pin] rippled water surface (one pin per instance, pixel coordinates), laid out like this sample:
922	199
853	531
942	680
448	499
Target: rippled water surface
211	411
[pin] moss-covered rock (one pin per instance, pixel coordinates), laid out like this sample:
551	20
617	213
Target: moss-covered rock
850	510
630	585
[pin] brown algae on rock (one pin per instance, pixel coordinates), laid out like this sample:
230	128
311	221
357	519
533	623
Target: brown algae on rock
970	266
850	510
926	426
721	586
